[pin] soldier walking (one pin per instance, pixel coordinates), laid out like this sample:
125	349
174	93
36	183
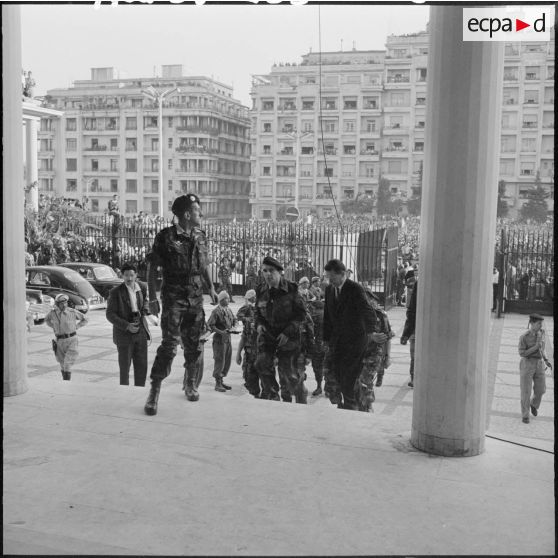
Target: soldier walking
316	308
280	313
181	251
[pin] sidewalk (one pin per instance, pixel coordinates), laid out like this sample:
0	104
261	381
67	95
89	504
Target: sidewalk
85	471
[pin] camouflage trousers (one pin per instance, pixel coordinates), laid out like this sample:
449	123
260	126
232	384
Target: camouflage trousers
249	372
287	365
182	322
372	366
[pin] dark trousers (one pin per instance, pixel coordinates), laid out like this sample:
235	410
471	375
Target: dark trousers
494	296
249	372
180	322
133	351
342	367
222	353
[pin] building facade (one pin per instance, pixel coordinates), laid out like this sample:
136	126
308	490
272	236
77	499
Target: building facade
373	117
107	143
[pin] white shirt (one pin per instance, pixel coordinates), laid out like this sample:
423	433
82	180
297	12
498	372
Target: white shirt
133	299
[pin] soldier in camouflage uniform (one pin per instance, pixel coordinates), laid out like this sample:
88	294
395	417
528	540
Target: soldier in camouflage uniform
280	314
181	251
376	358
249	342
316	307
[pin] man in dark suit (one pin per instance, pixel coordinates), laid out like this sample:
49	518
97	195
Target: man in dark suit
349	322
127	308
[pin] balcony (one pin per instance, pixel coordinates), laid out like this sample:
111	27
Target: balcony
398	79
530	125
510	77
371	152
396	129
396	149
287	107
327	152
510	102
532	77
96	148
201	150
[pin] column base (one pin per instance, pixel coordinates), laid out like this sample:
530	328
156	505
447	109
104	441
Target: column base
15	386
447	447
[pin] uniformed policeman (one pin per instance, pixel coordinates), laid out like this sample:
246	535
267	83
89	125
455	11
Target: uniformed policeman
65	322
181	251
280	313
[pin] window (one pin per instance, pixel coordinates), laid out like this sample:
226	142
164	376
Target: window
528	144
349	125
94	184
155	165
329	104
131	206
307	150
510	73
90	123
71	185
369	148
267	105
267	126
46	184
113	144
94	204
267	149
114	165
421	74
370	126
421	101
170	143
330	126
131	123
71	124
307	126
531	97
46	164
155	207
266	171
150	121
396	121
169	165
71	165
154	186
328	171
398	99
114	185
169	123
154	144
266	213
550	72
370	103
71	144
419	124
530	121
131	165
532	73
510	96
94	164
506	168
419	146
507	144
349	104
111	123
131	185
308	105
131	144
349	149
353	79
527	168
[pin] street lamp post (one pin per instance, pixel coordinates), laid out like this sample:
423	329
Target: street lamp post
155	95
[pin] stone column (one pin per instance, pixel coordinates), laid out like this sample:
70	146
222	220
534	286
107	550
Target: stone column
13	196
458	223
31	162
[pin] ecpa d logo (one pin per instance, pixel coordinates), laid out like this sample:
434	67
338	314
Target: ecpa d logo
508	23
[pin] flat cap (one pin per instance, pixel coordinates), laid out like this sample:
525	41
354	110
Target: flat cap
535	318
183	203
268	260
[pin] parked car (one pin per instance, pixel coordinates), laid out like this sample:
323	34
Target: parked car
101	276
39	304
53	280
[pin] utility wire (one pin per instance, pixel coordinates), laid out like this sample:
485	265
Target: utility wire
518	444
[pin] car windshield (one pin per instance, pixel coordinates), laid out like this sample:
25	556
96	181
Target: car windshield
105	273
74	277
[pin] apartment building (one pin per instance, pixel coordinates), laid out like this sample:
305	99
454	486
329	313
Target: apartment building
107	142
373	118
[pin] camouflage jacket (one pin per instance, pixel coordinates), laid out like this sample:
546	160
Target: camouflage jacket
247	315
281	309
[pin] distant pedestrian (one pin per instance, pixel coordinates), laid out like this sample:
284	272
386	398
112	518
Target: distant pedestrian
532	367
409	331
221	322
495	280
65	322
225	274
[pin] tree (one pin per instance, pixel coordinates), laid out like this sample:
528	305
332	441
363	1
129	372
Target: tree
536	208
282	213
503	208
361	205
385	204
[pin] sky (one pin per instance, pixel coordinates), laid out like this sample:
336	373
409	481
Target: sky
60	43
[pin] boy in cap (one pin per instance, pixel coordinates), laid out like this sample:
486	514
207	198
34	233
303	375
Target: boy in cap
531	368
221	322
65	322
280	313
181	251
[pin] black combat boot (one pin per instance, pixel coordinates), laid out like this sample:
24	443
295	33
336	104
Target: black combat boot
226	386
219	385
411	384
190	385
301	395
379	379
153	397
318	390
66	375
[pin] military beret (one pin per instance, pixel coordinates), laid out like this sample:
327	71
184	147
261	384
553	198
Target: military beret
535	318
268	260
183	203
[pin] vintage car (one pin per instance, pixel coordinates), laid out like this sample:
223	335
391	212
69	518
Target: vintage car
102	277
39	304
53	280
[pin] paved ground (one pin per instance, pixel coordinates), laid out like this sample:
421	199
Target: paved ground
98	364
87	472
